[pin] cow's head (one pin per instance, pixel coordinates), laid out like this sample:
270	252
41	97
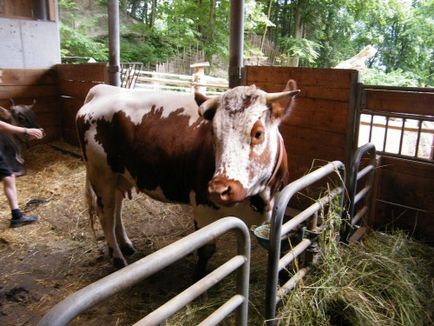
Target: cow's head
245	123
24	116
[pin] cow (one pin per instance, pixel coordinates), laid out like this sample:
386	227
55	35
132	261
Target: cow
10	145
222	155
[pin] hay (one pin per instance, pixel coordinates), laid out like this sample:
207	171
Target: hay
385	280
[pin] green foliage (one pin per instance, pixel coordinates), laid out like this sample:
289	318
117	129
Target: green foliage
302	48
76	44
397	77
314	33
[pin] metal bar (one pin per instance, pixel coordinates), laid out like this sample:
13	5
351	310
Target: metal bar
280	205
386	127
369	149
308	212
370	128
404	206
114	43
216	317
172	306
416	150
73	305
362	173
362	212
409	157
399	115
362	193
401	138
293	281
294	253
236	42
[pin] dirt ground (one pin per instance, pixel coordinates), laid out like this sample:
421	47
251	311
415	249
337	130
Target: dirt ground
42	263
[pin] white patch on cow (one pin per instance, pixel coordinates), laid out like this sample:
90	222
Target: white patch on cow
137	103
232	128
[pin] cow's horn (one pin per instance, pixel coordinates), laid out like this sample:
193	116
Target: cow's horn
273	97
209	105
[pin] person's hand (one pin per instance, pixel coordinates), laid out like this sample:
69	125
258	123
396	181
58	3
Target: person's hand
34	133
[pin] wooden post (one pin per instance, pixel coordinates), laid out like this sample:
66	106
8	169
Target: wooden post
198	77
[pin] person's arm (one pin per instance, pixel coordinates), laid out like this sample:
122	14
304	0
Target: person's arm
33	133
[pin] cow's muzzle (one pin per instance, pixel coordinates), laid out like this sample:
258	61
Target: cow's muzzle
225	192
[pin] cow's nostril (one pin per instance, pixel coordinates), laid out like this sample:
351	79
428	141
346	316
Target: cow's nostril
226	192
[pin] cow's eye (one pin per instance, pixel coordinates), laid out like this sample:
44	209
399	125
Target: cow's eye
257	133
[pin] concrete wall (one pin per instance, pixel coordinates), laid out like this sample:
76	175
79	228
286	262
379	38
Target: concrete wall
28	43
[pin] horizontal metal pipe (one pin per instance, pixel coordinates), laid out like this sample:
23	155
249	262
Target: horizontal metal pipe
308	212
76	303
362	212
194	291
295	252
217	316
293	281
399	115
362	193
365	171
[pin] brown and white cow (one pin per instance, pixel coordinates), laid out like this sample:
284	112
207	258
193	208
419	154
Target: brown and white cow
223	155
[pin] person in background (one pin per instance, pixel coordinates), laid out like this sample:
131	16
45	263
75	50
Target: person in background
6	175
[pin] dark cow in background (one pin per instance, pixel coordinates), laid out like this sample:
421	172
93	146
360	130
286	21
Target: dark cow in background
10	145
223	155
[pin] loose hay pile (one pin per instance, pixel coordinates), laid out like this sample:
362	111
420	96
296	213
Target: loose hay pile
385	280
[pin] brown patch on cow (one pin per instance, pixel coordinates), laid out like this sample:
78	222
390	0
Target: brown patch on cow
82	126
161	152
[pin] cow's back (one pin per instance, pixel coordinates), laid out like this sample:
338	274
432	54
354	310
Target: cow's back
154	140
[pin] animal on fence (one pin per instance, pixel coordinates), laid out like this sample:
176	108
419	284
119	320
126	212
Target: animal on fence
222	155
10	145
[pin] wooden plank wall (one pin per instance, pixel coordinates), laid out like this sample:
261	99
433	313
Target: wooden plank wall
319	128
403	181
74	82
26	85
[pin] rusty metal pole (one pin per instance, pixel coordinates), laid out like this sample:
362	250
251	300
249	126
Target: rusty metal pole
114	43
236	43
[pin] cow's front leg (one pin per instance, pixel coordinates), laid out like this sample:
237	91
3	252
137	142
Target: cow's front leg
106	209
124	242
204	254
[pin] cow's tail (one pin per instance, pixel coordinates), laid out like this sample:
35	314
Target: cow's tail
91	202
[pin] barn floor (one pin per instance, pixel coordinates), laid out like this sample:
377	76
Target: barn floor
41	264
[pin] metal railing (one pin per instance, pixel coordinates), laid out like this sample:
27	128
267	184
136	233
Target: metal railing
278	231
397	134
357	212
80	301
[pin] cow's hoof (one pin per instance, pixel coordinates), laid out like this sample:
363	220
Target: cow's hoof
119	263
128	250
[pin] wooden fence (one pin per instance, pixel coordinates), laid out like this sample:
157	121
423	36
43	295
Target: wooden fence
25	85
320	128
74	81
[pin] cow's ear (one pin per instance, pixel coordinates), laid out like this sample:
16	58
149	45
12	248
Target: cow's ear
5	115
200	98
207	109
282	103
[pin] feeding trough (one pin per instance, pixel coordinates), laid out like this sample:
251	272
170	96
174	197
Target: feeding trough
262	234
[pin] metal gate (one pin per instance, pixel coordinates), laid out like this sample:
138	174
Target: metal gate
278	232
80	301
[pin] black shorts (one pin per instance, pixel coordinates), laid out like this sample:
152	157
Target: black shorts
5	170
